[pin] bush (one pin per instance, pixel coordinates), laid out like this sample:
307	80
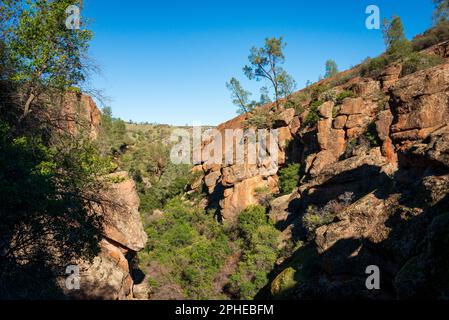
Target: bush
343	95
316	217
190	245
418	61
289	178
313	117
261	118
330	95
374	67
259	254
372	136
250	219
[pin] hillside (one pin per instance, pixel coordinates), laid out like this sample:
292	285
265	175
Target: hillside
338	191
373	159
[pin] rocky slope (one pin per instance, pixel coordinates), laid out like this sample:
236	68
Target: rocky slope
376	162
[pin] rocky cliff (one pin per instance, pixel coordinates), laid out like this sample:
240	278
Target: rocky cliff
113	274
374	187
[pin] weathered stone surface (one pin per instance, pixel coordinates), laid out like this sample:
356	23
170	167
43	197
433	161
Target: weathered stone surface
79	112
243	195
211	179
238	173
390	76
339	122
383	124
285	137
122	219
365	219
295	125
279	208
357	120
366	87
354	132
285	118
353	106
325	109
330	139
436	149
107	277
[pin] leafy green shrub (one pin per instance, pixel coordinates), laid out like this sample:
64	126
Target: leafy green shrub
343	95
289	178
190	245
418	61
258	256
316	91
250	219
313	116
336	110
373	67
261	118
372	136
329	95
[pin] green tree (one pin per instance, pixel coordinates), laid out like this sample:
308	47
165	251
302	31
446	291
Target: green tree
397	44
289	178
441	13
240	97
331	68
265	63
47	55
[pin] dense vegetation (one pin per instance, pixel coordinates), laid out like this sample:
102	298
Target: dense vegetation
50	177
191	255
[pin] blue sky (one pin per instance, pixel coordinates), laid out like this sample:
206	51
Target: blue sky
168	61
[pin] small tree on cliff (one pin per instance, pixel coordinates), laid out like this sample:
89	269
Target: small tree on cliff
397	44
240	97
331	68
441	13
265	64
46	53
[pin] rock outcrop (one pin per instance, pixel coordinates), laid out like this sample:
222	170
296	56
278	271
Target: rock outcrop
377	164
109	275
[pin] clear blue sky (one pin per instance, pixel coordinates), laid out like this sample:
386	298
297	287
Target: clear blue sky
168	61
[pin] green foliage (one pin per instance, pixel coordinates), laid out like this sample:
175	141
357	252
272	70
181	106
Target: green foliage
330	95
265	65
331	69
316	217
171	183
418	61
48	196
261	118
190	245
45	53
240	97
112	133
343	95
441	13
258	256
374	67
250	219
397	44
313	116
289	178
372	136
316	91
